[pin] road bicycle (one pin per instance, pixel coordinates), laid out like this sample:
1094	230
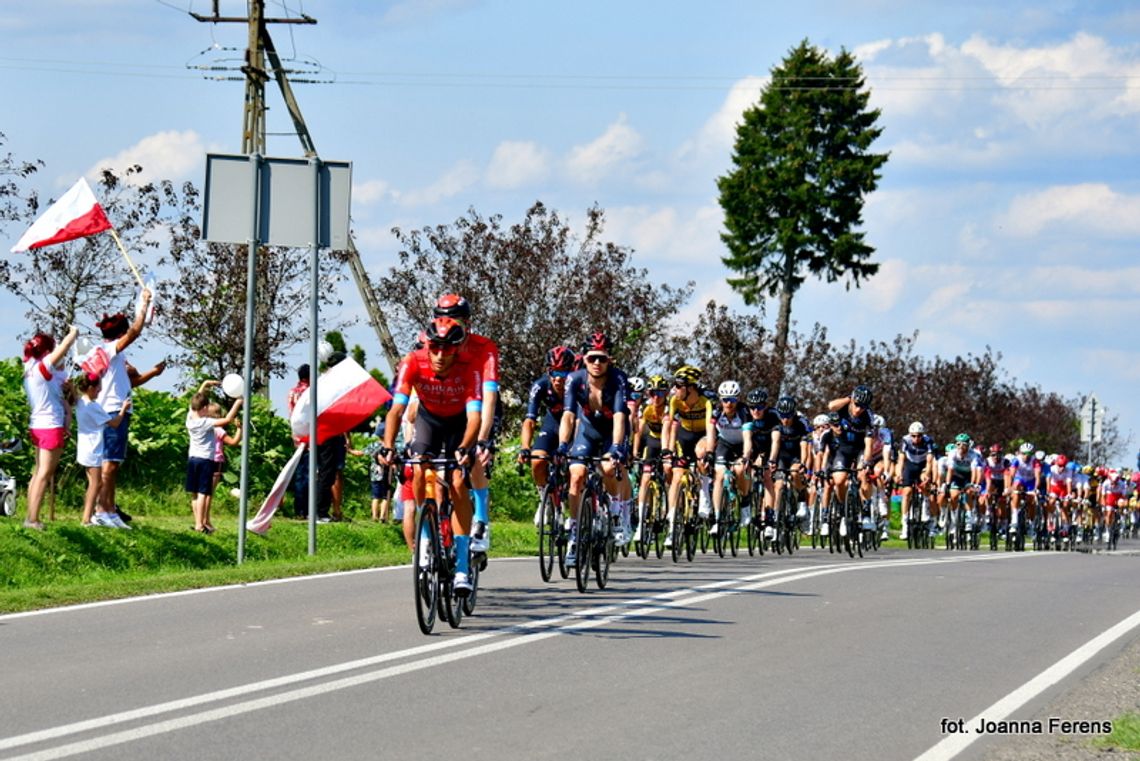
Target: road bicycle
754	527
687	523
787	525
727	537
596	546
653	520
433	556
553	535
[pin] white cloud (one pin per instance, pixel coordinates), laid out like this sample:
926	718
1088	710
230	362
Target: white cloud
371	191
717	135
456	180
169	155
516	164
881	292
1089	207
614	151
668	240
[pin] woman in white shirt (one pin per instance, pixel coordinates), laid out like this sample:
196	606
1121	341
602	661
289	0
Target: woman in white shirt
50	413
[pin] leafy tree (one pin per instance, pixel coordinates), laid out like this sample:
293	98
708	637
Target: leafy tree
531	286
726	346
803	167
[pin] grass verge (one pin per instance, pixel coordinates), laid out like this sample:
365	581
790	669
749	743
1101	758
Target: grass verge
1125	734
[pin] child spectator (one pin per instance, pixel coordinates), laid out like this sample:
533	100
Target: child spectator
91	420
379	475
222	439
200	468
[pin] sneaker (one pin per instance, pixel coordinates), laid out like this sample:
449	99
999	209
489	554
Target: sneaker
104	520
34	525
123	516
461	584
117	521
480	537
324	519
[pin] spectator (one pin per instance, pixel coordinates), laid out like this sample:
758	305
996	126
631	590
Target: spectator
118	334
379	475
330	458
91	420
301	475
222	439
50	417
200	466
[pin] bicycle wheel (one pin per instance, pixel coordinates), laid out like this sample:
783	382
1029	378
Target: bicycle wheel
604	555
732	524
427	578
659	524
678	527
548	530
585	538
792	521
853	541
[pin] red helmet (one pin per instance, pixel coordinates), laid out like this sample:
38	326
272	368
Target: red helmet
995	448
560	358
1136	477
597	341
1061	461
446	330
452	305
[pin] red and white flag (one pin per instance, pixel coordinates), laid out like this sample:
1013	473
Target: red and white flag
347	396
76	215
259	524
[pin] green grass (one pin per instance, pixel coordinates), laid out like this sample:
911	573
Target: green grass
1125	733
68	563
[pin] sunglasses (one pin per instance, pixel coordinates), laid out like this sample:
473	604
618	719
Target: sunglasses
558	373
657	392
679	384
728	400
597	358
439	348
635	395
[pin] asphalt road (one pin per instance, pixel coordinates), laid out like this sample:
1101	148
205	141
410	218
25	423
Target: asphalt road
812	656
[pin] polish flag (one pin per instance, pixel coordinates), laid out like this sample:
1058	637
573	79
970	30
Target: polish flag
259	524
347	396
76	215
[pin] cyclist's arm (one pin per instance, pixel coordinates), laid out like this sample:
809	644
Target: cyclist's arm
747	452
805	451
837	404
474	426
775	448
619	428
527	435
710	429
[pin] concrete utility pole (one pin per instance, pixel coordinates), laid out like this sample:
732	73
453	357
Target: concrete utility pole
253	137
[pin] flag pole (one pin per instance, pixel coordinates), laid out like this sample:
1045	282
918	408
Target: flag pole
126	256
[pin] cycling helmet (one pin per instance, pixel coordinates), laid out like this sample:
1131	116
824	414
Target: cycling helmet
637	384
729	388
1039	454
1136	477
452	305
560	358
1073	467
995	448
446	330
1089	469
597	341
1026	448
1049	459
962	438
1060	461
949	448
786	406
833	418
862	396
658	383
757	397
820	419
878	421
917	427
687	375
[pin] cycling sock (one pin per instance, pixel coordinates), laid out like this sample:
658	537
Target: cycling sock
625	512
462	546
480	498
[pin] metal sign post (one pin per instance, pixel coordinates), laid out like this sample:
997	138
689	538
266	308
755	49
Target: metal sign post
301	203
1092	422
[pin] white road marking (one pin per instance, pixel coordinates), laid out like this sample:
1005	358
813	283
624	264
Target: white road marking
425	656
952	745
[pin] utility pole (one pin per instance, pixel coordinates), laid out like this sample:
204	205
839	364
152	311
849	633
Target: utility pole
253	136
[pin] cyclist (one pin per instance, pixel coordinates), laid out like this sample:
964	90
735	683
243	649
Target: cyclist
1059	483
733	447
593	424
993	485
482	353
689	433
449	388
1021	483
635	391
764	421
647	441
881	466
817	466
856	437
964	471
546	398
915	469
791	447
1112	494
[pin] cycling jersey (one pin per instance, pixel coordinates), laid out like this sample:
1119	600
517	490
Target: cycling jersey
652	418
577	401
762	428
731	429
1024	472
791	436
881	443
961	467
694	418
544	400
917	451
459	391
482	353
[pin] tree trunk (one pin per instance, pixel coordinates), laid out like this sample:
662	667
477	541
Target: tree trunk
784	318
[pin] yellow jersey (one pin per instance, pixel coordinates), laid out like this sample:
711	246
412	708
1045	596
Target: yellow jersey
696	418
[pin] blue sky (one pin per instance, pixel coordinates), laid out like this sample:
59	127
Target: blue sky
1008	215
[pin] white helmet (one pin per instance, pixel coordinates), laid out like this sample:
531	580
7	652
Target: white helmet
917	427
878	421
637	384
1039	454
820	419
728	388
1026	448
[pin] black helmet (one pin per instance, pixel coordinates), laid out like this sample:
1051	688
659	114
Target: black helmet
833	418
786	406
757	397
862	396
